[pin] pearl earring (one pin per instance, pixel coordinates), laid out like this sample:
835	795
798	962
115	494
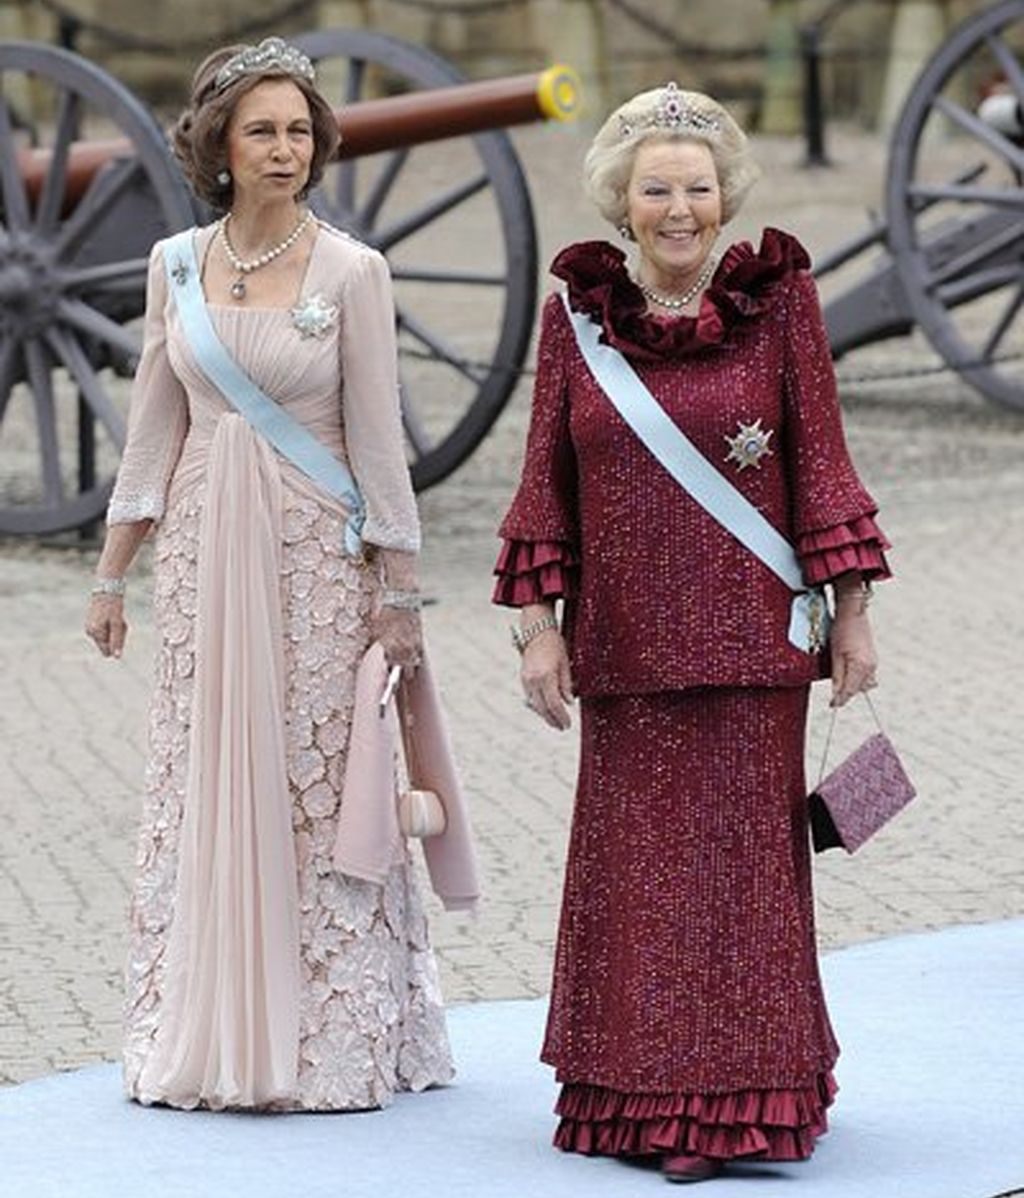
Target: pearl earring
224	177
625	232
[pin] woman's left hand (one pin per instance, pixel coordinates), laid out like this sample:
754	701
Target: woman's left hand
401	636
854	660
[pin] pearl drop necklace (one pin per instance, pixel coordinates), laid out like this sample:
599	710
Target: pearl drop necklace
275	251
675	302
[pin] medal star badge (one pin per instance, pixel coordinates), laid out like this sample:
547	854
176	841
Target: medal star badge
749	445
313	316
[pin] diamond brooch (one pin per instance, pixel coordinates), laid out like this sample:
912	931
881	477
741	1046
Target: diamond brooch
749	445
313	316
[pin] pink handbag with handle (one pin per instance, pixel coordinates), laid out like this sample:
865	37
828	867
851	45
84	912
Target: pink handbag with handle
377	813
860	795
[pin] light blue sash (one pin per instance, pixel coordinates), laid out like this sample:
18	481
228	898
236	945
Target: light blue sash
291	439
808	625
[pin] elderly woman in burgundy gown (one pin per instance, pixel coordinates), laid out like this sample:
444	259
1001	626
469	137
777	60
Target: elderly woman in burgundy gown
687	1020
258	975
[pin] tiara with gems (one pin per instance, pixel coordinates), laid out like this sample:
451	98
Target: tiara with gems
672	113
272	54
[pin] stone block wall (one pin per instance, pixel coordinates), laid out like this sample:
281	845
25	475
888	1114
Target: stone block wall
619	46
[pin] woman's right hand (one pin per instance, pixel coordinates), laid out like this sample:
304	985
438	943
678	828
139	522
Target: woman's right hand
105	624
547	679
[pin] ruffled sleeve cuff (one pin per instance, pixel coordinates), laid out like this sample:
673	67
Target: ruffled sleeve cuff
859	544
533	572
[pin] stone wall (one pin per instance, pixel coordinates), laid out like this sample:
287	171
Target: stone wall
614	44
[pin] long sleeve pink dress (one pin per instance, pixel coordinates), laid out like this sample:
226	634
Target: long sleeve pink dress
258	976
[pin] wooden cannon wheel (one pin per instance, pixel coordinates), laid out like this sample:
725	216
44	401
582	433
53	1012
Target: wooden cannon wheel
70	282
456	223
454	219
959	245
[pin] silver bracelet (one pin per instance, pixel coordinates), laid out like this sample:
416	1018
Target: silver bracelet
521	637
109	586
403	600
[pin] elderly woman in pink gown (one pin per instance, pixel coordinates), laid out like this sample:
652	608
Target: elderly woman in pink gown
258	975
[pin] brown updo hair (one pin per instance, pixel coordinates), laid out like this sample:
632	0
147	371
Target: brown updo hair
200	134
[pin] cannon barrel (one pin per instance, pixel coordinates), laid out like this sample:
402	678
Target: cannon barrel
418	117
371	125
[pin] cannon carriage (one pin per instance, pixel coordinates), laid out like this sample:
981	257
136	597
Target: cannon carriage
81	205
953	232
88	189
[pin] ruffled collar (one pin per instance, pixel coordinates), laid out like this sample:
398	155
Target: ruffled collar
744	285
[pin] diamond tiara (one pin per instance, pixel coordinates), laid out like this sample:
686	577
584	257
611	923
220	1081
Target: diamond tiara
672	114
273	54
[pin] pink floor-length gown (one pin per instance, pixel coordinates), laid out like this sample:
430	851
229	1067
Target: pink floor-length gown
258	976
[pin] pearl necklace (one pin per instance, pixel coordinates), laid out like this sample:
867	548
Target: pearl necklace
244	268
675	302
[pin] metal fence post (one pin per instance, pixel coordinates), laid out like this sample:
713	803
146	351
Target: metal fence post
813	100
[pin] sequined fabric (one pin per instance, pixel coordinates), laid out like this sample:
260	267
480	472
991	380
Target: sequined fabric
687	1013
685	974
371	1017
666	598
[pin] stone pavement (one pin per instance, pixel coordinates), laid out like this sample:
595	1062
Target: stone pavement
948	471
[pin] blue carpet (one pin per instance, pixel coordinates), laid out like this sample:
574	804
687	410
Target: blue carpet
931	1106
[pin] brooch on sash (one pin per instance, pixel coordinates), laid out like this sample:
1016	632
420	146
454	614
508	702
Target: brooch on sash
749	445
313	316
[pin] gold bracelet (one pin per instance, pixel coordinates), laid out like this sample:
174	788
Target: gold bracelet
863	591
521	637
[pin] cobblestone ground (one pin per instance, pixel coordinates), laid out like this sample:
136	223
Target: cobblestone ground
947	469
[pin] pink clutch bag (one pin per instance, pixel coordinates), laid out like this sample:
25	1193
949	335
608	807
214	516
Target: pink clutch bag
860	795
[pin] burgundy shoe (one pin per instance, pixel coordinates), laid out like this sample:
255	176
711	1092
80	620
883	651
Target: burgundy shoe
686	1166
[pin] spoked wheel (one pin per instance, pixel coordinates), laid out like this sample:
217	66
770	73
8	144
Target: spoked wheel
75	232
956	202
455	221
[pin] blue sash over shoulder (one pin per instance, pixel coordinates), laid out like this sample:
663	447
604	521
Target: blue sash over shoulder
809	620
290	438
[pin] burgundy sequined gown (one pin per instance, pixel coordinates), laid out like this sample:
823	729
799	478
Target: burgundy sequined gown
687	1012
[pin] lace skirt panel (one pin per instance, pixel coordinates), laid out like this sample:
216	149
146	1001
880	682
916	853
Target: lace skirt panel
372	1018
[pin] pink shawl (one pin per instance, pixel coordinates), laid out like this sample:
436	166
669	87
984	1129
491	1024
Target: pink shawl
369	841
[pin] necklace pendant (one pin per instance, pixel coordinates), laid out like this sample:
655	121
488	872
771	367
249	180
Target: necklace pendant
238	289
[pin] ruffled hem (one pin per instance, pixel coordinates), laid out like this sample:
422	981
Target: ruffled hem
744	285
857	545
774	1125
533	572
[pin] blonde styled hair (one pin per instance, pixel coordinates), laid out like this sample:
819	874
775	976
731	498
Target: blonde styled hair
666	114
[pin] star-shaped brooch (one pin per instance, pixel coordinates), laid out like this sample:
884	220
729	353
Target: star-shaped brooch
749	445
313	316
